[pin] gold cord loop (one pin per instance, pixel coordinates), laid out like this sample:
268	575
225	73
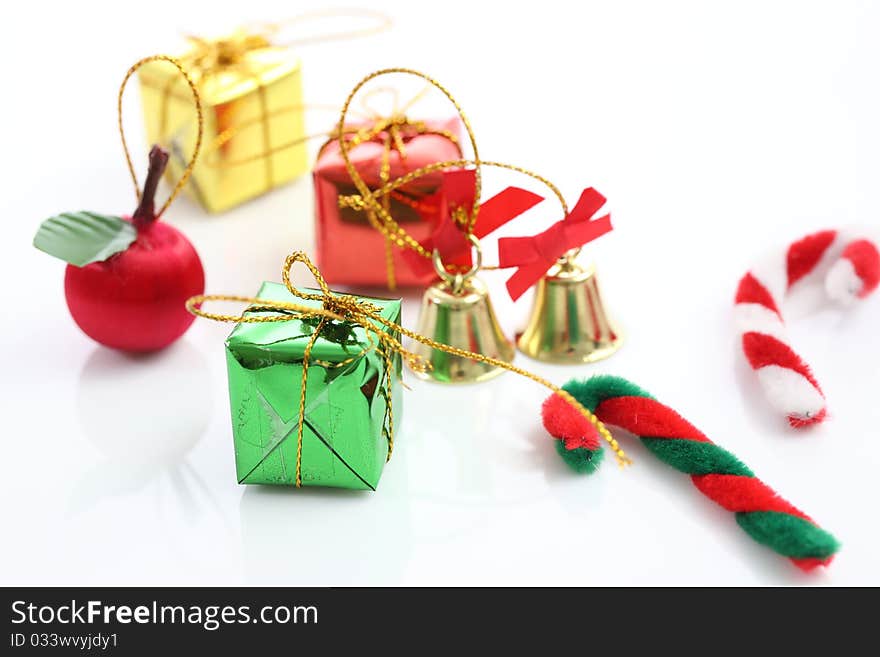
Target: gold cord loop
376	203
201	127
382	22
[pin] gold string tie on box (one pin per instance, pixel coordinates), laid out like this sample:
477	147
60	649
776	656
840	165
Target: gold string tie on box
392	130
377	205
380	335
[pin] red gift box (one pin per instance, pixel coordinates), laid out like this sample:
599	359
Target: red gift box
350	251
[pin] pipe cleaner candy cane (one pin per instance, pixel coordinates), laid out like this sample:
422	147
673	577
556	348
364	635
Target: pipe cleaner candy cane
850	265
716	473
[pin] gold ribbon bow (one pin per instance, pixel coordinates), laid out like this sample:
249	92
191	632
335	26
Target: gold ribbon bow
214	55
381	336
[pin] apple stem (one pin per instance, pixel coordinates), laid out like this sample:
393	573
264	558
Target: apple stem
146	209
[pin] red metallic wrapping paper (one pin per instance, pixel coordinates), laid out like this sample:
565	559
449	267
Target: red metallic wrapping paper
349	250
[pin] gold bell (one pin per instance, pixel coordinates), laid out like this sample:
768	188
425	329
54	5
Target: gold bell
457	312
568	322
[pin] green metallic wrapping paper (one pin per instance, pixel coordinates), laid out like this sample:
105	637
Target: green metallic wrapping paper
346	419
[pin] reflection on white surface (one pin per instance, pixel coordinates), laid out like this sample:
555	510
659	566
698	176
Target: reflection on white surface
325	537
145	411
145	414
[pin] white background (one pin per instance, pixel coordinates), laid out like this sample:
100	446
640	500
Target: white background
716	130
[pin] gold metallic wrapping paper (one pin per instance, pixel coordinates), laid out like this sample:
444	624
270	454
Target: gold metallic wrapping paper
254	125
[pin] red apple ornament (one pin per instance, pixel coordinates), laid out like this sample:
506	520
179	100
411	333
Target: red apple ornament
128	277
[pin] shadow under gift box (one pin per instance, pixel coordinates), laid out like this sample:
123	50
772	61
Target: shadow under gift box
350	251
345	443
254	126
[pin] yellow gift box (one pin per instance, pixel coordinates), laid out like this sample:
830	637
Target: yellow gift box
254	129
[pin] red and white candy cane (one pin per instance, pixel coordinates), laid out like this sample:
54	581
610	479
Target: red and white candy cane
850	265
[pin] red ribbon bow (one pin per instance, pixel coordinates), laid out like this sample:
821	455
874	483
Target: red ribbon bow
535	255
448	238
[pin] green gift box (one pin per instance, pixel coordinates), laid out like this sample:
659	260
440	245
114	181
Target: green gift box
348	404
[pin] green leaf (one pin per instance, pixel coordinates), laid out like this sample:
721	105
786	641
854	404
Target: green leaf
81	238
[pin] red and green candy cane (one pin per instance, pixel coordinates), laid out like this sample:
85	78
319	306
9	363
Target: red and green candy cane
716	473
